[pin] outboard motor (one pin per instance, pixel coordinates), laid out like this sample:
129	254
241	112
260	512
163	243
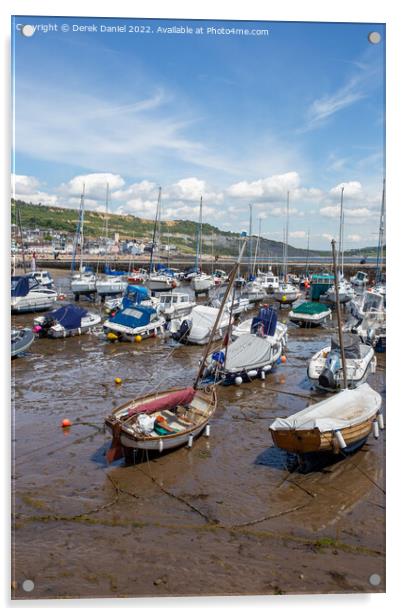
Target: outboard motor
182	333
45	326
327	376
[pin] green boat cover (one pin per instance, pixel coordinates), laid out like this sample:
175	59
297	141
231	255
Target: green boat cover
310	308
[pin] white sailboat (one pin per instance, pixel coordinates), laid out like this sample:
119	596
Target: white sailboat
112	282
202	282
159	280
84	281
286	292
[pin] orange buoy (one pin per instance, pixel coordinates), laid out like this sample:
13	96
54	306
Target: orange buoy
283	359
66	423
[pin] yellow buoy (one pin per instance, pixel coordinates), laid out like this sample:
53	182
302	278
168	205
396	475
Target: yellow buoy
118	380
112	336
284	298
138	338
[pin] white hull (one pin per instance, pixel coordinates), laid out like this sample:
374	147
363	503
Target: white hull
202	284
357	370
89	321
111	287
153	329
35	301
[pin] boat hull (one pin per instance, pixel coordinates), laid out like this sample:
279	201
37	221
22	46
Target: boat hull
204	399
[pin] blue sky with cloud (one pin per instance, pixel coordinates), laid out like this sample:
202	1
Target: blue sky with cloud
236	119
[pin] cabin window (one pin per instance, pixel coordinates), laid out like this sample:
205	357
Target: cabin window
132	312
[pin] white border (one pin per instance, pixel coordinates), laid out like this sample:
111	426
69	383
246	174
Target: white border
293	10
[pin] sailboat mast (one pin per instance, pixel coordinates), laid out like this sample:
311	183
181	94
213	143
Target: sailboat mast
82	225
257	245
286	239
19	223
338	315
340	238
231	279
200	255
308	252
380	247
250	230
151	260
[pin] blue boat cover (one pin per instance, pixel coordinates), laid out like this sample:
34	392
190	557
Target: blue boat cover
133	315
136	294
111	272
268	318
163	269
68	316
21	285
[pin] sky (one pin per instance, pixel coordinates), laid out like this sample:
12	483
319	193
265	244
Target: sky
237	119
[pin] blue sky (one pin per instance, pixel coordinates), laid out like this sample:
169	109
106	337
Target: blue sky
237	119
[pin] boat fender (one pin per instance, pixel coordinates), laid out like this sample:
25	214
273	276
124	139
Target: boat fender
267	368
190	441
252	374
238	380
380	420
373	365
79	331
160	447
262	375
207	430
340	439
376	432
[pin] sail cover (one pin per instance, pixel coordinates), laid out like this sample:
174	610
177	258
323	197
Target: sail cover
247	352
68	316
168	401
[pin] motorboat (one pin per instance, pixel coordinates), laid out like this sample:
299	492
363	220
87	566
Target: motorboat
68	320
325	367
220	276
134	293
254	291
44	278
250	355
268	281
137	277
162	280
360	280
368	319
134	322
286	293
345	293
202	283
340	423
173	305
21	340
196	327
310	314
236	302
27	295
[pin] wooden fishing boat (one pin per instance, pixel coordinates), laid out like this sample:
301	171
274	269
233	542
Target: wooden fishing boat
161	421
342	422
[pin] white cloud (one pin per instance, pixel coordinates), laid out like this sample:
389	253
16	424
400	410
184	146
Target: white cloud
352	190
297	234
26	188
354	238
272	188
327	236
191	189
95	185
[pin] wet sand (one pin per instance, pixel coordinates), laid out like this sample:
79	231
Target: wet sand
229	516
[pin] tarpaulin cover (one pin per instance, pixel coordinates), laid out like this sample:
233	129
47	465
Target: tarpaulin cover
310	308
348	408
163	269
171	400
68	316
268	318
133	315
21	285
248	352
